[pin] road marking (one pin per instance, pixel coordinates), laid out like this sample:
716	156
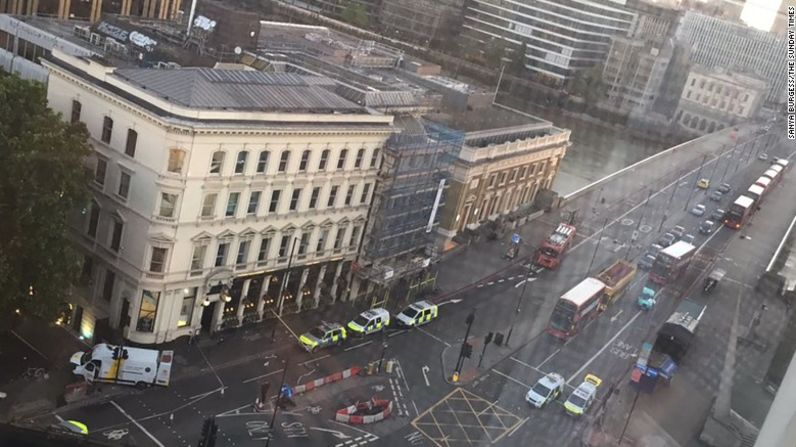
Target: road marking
262	376
434	337
490	283
415	405
402	375
351	348
335	433
501	279
511	378
313	360
610	342
285	325
140	427
528	365
29	345
523	282
425	370
549	357
397	333
517	427
210	365
617	315
298	382
207	393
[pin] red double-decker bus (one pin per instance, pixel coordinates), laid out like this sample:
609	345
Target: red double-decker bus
576	307
552	251
671	262
740	212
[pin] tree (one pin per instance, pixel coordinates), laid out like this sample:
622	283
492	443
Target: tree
355	14
588	84
494	52
517	67
42	182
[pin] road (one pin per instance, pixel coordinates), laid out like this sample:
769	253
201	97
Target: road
489	407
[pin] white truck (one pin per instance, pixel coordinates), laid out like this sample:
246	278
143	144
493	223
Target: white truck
124	365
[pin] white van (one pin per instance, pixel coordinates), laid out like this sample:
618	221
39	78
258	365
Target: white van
124	365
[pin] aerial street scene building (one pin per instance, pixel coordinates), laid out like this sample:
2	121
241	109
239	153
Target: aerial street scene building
448	223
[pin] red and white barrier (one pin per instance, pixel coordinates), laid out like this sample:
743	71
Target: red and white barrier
346	415
336	377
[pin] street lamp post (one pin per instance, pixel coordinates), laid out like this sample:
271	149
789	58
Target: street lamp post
519	302
384	346
469	321
597	247
691	191
276	404
280	300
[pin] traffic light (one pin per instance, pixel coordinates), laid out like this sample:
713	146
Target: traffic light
209	428
498	339
467	350
488	338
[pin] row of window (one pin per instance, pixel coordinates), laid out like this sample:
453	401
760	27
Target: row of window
502	178
244	256
694	122
116	227
714	102
728	91
176	158
253	208
264	159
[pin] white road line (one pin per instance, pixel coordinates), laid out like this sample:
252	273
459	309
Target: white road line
314	360
351	348
397	333
285	325
403	376
206	393
501	279
517	427
528	365
29	345
252	379
549	357
610	342
434	337
298	382
511	378
140	427
417	413
490	283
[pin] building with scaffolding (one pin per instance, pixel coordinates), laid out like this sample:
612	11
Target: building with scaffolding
400	241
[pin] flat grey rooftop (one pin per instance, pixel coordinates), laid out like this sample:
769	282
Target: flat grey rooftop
205	88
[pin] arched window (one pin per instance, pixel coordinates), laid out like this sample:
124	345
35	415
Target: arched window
262	162
283	161
217	162
324	160
240	162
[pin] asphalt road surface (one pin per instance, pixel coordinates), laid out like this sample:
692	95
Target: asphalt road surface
490	409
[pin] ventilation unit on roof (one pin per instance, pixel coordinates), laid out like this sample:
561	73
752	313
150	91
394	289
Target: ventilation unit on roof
96	39
82	31
114	46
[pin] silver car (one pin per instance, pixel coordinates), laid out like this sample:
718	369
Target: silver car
698	210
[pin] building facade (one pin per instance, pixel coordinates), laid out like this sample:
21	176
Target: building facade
634	73
562	37
207	185
736	47
424	21
499	171
715	99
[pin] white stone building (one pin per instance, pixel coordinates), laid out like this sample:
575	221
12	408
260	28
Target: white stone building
714	99
204	181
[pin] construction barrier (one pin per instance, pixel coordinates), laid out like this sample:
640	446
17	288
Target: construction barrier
309	386
346	415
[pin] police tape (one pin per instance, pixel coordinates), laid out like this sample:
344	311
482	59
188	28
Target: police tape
309	386
346	415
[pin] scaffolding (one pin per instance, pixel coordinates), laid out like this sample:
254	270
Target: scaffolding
414	172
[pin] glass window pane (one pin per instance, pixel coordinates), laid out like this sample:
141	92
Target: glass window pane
148	311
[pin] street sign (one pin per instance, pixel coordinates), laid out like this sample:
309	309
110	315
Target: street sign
515	238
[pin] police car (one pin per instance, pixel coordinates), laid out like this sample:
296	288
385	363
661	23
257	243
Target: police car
546	389
369	322
581	399
417	313
323	335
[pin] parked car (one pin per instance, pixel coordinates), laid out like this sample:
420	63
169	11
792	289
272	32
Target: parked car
698	210
678	231
725	188
703	183
717	215
716	196
646	261
654	249
689	238
667	239
581	399
707	226
546	389
763	156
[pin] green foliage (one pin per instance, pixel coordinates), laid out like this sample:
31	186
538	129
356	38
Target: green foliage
588	84
355	14
42	181
517	67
